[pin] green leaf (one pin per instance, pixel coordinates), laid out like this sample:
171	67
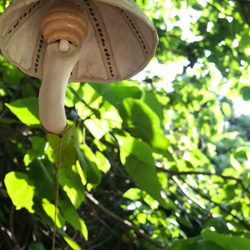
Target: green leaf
204	245
68	154
142	218
235	164
137	158
228	242
133	194
89	103
196	243
88	164
72	216
20	190
142	122
102	162
151	100
132	146
245	93
226	107
70	95
26	110
12	76
37	150
37	246
97	127
42	173
105	90
72	185
219	224
109	118
68	239
182	244
72	244
49	209
116	92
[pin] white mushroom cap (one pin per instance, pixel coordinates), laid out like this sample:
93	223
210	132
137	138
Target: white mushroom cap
121	39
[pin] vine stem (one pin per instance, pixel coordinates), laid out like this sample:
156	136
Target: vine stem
61	136
57	189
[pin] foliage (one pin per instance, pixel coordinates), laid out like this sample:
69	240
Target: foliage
152	162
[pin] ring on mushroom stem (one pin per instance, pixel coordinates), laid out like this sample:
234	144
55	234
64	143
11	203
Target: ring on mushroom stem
64	27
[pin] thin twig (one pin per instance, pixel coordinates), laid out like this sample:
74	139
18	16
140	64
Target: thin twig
183	189
224	209
5	237
225	177
11	225
214	7
61	136
57	190
123	223
177	173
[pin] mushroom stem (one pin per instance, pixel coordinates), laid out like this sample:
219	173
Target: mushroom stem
60	59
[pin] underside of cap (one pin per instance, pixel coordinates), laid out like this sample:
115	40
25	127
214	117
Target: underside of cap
121	39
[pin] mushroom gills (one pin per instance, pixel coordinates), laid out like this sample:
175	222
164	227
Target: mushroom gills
59	27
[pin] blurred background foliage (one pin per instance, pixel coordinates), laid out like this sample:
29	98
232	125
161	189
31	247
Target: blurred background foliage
161	161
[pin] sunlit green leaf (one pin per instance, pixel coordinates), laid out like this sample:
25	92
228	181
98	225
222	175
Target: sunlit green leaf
228	242
132	194
226	109
68	153
20	190
71	243
102	162
49	209
26	110
141	121
151	100
72	216
116	92
72	185
174	139
142	218
88	164
137	158
109	118
235	163
38	145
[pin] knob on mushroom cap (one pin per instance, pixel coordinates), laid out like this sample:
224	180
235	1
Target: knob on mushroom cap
120	42
64	21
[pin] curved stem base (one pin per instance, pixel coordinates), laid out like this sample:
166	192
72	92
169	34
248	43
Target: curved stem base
57	68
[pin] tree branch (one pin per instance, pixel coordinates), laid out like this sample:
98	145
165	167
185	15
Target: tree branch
187	193
6	237
123	223
177	173
225	177
224	209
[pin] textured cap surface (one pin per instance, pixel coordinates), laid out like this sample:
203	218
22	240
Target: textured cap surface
121	39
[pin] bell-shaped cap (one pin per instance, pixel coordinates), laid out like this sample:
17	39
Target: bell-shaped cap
121	39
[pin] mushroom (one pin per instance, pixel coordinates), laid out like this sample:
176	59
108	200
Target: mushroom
63	41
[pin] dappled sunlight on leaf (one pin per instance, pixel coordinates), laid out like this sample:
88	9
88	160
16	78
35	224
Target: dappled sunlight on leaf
158	161
26	110
21	190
